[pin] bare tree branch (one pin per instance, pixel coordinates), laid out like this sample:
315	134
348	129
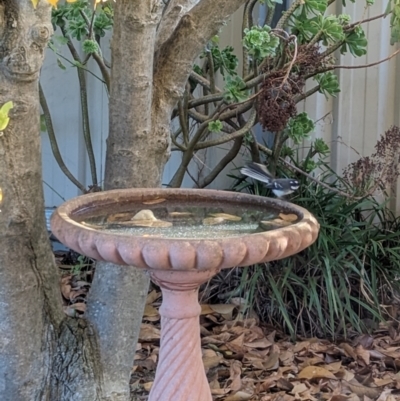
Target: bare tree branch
172	15
177	55
234	150
226	138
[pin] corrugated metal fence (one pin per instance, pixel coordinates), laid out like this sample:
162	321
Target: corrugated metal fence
368	105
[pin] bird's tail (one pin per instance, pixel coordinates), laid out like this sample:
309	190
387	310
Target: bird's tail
257	171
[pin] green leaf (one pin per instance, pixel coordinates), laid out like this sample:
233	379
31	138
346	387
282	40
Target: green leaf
60	64
4	110
355	42
224	60
260	42
90	46
315	6
215	126
43	126
329	84
235	89
321	147
299	127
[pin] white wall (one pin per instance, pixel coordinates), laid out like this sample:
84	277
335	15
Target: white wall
368	105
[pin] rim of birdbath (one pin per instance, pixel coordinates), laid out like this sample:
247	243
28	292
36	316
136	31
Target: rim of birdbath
195	254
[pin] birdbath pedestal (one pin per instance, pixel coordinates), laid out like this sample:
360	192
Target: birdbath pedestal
182	237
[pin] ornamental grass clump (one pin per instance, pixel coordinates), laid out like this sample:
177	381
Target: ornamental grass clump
348	280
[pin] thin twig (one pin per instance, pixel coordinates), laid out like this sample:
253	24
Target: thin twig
53	142
355	24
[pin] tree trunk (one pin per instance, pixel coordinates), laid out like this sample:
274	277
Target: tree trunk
30	301
43	355
136	156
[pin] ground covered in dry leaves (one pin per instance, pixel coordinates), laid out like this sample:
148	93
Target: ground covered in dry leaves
246	361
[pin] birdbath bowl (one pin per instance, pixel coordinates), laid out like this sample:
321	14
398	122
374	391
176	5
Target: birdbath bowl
182	237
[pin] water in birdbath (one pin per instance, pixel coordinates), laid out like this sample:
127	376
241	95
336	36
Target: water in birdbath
176	219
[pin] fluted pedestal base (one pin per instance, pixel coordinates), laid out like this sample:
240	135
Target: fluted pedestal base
180	374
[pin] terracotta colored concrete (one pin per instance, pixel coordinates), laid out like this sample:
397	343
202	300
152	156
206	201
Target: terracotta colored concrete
179	266
180	372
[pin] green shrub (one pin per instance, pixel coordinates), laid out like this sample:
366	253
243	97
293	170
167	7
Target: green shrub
345	281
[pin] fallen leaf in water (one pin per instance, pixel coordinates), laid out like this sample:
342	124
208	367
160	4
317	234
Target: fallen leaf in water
154	201
89	225
180	214
212	221
276	223
143	223
288	217
144	214
119	217
226	216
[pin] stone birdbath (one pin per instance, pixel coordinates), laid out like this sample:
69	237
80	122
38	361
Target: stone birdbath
182	237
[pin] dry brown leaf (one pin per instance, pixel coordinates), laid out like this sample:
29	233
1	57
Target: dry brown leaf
299	388
225	310
272	362
79	306
349	351
217	339
236	345
239	396
150	311
261	343
386	396
383	382
152	296
345	374
333	367
235	375
360	390
315	372
149	332
65	285
206	309
284	384
363	354
339	397
301	346
147	386
212	361
75	294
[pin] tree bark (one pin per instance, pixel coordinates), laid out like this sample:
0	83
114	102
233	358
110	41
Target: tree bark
44	356
136	154
135	157
30	310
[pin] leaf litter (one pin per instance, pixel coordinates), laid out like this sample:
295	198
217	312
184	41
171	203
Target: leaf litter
245	360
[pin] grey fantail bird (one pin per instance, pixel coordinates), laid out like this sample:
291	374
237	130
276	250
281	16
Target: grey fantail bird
279	186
